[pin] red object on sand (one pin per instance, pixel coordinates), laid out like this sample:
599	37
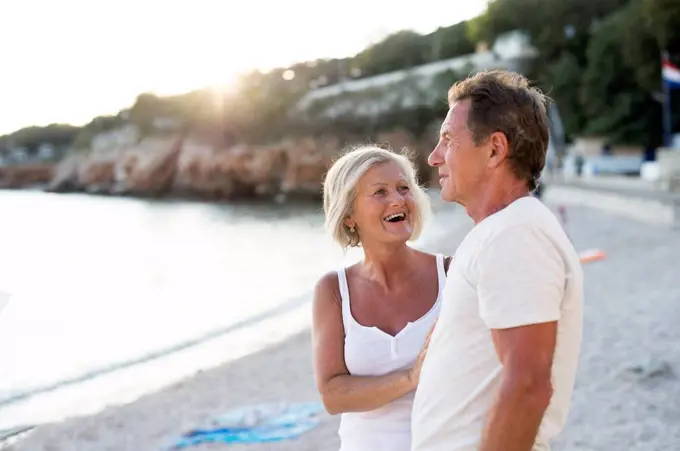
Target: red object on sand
591	255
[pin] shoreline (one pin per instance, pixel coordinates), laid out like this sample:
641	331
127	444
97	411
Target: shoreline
124	385
253	321
623	199
178	197
163	416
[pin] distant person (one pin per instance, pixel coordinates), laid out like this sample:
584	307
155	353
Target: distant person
502	358
371	320
579	162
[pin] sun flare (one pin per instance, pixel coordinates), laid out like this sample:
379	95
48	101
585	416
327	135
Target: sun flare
76	60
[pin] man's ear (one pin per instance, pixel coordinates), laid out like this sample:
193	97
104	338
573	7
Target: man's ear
499	148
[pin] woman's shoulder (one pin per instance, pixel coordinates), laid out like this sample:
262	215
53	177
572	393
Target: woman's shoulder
447	258
428	254
327	288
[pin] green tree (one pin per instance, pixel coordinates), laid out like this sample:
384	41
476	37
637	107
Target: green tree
663	21
562	31
562	82
450	42
397	51
555	26
639	47
613	102
30	138
143	112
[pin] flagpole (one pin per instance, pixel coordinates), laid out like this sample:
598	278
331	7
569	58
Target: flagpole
666	105
667	114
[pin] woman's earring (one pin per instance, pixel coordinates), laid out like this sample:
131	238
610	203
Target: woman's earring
351	229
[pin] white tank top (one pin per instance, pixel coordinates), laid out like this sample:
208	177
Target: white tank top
371	352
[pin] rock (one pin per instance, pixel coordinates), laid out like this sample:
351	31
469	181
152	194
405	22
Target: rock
238	172
96	173
200	171
308	161
188	166
25	175
257	170
65	175
148	168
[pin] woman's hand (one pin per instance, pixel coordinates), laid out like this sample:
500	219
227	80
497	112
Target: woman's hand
414	372
341	392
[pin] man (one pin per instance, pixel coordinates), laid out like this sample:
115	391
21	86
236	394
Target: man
501	362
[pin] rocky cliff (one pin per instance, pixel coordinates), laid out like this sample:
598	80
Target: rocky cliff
185	167
25	176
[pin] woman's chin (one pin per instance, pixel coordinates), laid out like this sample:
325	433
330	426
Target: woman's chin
401	231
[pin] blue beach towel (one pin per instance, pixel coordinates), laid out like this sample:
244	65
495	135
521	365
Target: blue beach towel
256	424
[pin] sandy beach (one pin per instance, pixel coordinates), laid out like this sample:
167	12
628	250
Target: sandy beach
628	385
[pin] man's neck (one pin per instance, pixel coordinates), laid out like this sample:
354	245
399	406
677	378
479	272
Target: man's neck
494	197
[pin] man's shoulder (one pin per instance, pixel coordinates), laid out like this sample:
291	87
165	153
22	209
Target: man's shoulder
524	218
521	213
526	214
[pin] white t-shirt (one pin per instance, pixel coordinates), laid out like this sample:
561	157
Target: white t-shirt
516	267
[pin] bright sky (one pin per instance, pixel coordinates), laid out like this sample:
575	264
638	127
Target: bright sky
71	60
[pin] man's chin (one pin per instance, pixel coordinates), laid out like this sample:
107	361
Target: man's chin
446	196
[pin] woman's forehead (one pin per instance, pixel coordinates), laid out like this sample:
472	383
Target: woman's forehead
382	173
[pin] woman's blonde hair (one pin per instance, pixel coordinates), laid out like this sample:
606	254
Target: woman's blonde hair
339	190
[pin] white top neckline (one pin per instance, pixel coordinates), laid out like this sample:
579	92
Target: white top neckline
348	317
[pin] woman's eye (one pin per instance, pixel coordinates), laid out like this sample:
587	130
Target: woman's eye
380	191
404	188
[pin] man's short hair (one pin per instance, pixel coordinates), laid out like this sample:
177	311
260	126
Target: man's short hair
502	101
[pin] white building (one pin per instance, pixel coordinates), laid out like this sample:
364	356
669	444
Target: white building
124	136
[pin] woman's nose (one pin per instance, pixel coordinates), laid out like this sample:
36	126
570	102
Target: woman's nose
396	198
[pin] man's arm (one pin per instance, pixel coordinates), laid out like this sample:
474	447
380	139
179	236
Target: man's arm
521	284
526	353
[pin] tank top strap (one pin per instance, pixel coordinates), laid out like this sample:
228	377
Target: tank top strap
441	272
344	295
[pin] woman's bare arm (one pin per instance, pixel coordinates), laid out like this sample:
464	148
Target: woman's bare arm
341	392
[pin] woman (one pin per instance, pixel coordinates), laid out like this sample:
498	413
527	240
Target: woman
368	351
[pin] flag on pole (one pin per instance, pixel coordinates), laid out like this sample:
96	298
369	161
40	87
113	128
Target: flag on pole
670	73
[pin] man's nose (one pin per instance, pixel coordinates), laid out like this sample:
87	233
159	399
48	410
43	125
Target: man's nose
434	159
